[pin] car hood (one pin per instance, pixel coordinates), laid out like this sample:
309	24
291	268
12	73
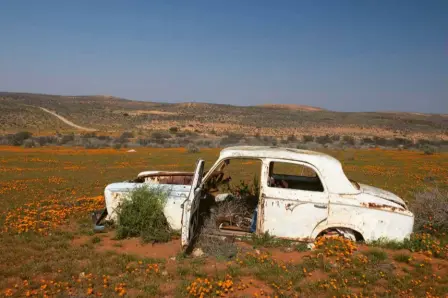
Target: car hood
383	194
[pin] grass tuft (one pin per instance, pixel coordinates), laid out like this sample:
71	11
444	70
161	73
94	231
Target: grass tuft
376	255
402	258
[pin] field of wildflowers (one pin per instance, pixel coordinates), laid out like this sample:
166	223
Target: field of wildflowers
48	248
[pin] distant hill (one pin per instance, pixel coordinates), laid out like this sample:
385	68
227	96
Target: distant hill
292	107
21	111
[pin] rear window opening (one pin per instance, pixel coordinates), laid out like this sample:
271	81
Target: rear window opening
294	176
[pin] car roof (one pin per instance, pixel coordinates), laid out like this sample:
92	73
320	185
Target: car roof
276	152
329	167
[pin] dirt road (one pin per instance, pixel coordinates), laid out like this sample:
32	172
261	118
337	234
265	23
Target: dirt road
66	121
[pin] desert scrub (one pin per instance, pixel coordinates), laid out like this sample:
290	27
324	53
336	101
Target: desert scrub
141	215
430	208
192	148
419	242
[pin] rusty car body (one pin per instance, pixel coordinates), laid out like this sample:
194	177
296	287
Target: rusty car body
291	206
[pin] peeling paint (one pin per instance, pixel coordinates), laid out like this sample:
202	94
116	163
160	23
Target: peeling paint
379	206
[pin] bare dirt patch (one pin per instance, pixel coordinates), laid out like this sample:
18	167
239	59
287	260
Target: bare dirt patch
292	257
133	246
168	289
211	266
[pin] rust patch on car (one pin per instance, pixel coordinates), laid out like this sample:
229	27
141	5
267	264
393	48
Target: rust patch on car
381	207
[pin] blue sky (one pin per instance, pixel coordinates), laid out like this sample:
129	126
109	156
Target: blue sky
336	54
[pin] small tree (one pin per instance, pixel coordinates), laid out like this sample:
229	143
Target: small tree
18	138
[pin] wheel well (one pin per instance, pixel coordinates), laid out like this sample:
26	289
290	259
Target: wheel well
358	235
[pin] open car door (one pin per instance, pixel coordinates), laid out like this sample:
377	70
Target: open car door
190	214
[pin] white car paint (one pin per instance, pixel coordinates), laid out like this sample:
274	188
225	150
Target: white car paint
115	193
371	212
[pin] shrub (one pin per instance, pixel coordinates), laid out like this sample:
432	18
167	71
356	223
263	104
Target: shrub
349	140
376	255
307	138
401	142
232	138
28	143
67	138
91	146
324	140
127	135
428	150
141	215
159	135
367	141
204	143
192	148
423	142
88	135
380	141
430	209
104	138
291	139
144	142
174	129
217	247
402	258
18	138
117	146
335	138
43	140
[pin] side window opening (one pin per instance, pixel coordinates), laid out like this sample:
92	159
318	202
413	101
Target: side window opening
293	176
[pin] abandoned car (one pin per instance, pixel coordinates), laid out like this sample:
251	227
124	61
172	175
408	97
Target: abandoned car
297	195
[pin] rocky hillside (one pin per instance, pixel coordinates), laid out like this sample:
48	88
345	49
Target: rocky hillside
20	111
